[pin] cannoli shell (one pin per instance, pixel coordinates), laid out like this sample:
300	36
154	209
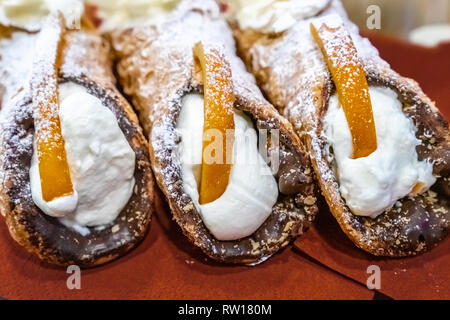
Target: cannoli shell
86	61
422	277
292	73
156	68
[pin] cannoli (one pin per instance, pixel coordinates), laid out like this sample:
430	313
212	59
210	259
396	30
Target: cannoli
183	77
379	146
76	181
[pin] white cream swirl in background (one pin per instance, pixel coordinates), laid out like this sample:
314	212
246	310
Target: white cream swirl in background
373	184
252	190
120	14
272	16
100	159
30	14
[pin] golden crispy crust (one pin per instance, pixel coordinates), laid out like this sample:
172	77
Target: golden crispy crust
86	62
292	73
156	69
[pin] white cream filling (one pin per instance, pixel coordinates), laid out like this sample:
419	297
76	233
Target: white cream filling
100	159
272	15
373	184
252	190
30	14
120	14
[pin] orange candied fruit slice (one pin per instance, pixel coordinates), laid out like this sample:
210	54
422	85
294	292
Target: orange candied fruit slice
53	167
351	85
219	118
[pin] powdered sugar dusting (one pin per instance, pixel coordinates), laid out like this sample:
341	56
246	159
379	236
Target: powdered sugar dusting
292	72
44	78
299	82
336	40
156	68
54	242
150	55
216	76
16	59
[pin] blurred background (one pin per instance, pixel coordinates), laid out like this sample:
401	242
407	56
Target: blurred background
423	22
400	17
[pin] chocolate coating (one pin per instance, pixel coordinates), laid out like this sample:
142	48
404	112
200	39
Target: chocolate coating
45	235
416	224
291	175
39	233
287	220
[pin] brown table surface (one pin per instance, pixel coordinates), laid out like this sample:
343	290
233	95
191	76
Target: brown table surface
167	266
426	276
423	277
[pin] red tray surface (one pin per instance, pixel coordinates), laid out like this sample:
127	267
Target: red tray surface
166	266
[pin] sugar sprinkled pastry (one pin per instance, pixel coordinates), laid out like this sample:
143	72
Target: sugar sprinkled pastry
77	186
265	204
393	200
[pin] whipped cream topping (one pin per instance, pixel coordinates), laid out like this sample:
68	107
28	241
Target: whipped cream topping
373	184
100	159
272	16
121	14
252	190
30	14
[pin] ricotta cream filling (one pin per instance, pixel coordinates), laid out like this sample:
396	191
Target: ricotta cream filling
270	16
121	14
373	184
252	190
100	159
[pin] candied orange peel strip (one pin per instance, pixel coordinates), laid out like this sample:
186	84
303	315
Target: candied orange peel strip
53	167
351	85
219	118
